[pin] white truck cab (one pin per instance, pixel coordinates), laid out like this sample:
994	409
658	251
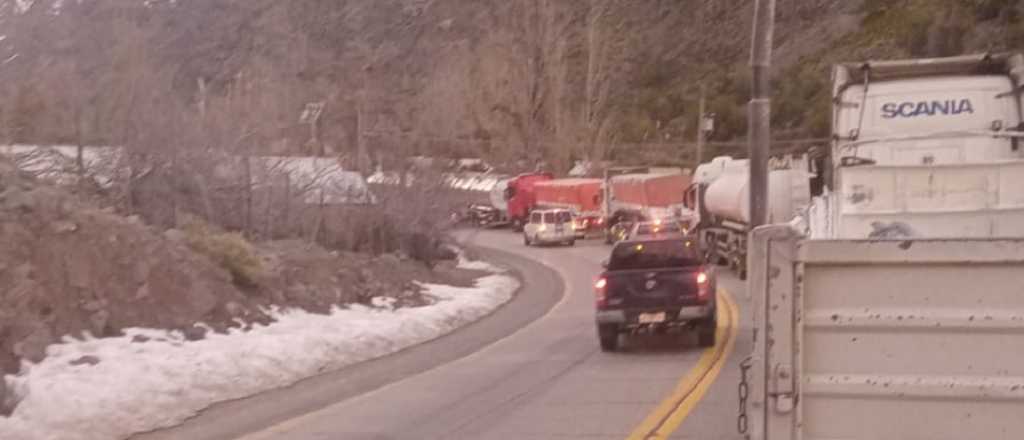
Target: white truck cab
550	226
931	147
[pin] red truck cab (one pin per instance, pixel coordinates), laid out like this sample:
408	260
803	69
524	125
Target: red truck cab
522	198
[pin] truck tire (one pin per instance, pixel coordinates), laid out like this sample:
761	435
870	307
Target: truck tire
517	225
572	242
706	331
608	334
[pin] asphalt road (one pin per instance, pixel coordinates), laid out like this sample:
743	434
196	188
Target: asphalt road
532	370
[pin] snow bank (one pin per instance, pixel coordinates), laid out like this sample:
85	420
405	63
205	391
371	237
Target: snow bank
465	262
476	265
140	386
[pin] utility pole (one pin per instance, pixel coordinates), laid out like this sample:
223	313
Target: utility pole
759	110
700	129
362	156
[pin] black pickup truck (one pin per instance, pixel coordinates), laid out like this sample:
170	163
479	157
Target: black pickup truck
655	284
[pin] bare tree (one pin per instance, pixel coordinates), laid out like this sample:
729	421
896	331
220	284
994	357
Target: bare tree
597	111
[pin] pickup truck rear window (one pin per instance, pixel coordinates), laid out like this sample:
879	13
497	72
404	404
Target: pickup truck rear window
654	255
667	228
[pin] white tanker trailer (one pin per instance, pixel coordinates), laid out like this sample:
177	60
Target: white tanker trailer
720	195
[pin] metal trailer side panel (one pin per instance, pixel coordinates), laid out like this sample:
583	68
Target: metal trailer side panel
660	190
890	339
666	189
628	189
771	263
581	195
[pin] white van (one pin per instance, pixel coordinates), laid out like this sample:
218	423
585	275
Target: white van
548	226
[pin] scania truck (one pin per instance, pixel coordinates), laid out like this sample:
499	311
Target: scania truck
895	309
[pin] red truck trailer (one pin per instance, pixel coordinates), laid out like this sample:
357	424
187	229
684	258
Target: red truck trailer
582	196
658	195
644	197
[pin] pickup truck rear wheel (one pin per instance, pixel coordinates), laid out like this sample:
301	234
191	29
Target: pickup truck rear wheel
609	336
706	332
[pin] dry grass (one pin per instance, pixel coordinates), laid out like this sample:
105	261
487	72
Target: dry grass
229	250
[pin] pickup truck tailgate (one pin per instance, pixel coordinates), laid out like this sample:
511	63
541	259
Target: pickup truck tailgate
653	288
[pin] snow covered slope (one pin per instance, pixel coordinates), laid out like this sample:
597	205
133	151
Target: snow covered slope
98	389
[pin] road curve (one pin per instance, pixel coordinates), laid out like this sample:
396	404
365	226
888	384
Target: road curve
530	371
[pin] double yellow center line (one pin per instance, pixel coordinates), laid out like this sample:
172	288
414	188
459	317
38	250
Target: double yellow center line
671	412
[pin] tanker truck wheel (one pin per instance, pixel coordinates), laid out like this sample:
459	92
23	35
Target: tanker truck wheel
517	225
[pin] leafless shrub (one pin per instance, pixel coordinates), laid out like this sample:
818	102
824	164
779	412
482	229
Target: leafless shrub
229	250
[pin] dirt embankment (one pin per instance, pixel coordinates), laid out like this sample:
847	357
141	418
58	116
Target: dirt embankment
68	268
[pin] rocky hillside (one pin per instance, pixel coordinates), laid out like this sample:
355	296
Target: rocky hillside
69	268
503	79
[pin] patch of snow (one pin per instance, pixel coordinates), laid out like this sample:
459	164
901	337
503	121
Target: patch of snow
383	302
477	265
159	383
465	263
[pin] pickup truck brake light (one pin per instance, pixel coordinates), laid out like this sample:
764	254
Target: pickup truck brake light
703	287
600	295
